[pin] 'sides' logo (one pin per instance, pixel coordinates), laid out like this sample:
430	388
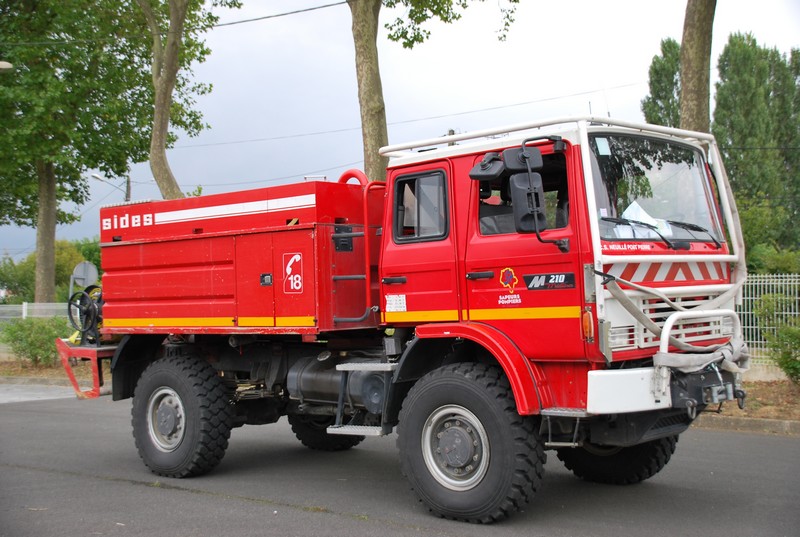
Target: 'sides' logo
127	221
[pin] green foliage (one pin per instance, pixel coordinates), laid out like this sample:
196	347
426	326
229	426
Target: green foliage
757	126
197	192
90	250
76	99
756	122
33	339
784	342
18	277
766	259
408	29
663	106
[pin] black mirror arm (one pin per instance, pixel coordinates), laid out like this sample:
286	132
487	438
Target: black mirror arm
563	244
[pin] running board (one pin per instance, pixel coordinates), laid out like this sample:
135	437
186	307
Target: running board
557	412
358	430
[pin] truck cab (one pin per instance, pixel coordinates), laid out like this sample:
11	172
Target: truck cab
574	240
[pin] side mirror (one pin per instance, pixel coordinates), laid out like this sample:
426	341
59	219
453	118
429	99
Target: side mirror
488	169
527	199
523	159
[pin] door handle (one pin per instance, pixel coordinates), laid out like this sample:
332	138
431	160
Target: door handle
480	275
393	279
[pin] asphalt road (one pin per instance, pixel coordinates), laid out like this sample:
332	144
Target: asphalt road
69	468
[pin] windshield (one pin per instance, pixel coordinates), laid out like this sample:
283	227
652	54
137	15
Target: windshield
651	189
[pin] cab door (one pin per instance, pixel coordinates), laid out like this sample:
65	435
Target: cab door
418	268
529	290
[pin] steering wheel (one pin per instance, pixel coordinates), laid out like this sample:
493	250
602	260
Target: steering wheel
82	309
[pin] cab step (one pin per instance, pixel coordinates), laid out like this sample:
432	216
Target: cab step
561	412
358	430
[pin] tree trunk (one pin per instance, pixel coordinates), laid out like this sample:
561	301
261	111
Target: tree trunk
45	289
374	133
165	73
159	164
696	65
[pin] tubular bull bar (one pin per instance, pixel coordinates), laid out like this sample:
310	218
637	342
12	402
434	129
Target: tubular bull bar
687	380
71	354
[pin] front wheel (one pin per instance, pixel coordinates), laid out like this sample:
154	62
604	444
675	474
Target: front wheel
466	452
181	417
619	465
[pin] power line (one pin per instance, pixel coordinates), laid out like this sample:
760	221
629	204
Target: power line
407	121
265	17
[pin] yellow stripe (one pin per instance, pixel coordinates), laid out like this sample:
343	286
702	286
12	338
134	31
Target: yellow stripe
420	316
295	321
556	312
167	321
256	321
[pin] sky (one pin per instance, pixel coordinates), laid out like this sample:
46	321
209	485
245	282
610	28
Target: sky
284	105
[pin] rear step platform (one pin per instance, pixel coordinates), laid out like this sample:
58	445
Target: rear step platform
70	354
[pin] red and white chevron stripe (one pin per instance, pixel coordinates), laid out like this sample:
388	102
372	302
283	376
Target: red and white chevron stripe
689	271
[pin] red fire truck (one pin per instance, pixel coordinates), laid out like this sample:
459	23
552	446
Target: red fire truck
565	285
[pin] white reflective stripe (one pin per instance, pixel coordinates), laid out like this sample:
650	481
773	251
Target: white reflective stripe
686	271
236	209
663	270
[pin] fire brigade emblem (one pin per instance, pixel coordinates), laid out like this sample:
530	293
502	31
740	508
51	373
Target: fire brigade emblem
508	279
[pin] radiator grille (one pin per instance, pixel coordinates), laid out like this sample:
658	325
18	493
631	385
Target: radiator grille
633	335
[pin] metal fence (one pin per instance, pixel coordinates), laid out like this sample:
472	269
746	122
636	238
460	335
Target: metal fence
757	285
30	309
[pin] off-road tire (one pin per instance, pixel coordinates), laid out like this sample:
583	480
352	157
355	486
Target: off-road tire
311	431
622	465
466	412
181	417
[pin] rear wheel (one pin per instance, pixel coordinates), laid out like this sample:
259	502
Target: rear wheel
619	465
312	432
181	417
466	452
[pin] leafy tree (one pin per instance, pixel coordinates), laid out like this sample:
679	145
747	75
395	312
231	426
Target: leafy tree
408	30
757	125
662	106
174	27
696	64
766	259
756	120
71	100
80	98
18	277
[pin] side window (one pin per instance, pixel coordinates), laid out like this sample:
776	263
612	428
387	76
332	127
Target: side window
496	214
420	207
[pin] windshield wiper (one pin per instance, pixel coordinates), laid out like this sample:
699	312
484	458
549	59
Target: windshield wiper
651	227
694	227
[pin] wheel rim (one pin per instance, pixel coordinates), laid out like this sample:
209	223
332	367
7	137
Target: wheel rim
455	448
166	419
